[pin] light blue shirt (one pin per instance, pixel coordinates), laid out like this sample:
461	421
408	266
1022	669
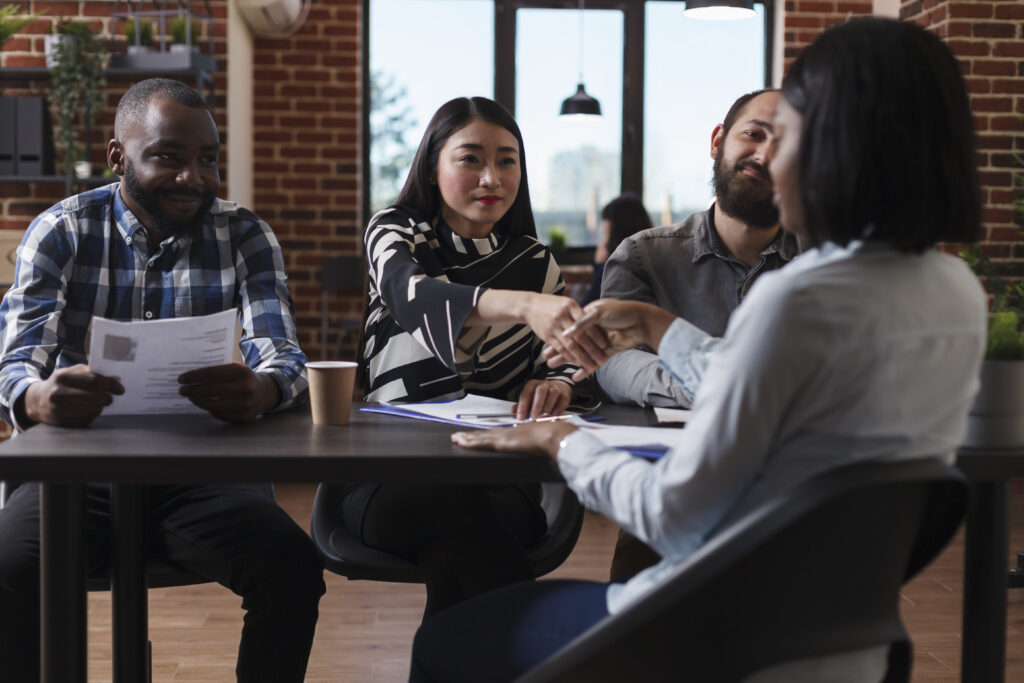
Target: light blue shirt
846	354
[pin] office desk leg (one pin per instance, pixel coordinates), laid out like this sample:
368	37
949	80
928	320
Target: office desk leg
984	626
62	583
128	585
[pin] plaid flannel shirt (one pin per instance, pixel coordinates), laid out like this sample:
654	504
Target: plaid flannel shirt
89	255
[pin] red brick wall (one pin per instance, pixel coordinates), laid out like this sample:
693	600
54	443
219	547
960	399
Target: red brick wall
306	129
988	38
805	19
307	152
20	203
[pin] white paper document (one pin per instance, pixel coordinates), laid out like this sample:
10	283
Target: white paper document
671	414
147	356
648	442
481	412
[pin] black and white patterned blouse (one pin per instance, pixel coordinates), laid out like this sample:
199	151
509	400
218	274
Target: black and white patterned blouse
425	282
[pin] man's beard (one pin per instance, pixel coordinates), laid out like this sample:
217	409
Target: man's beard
147	201
742	197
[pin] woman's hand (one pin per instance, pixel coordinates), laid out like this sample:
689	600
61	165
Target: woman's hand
549	316
543	397
622	324
541	438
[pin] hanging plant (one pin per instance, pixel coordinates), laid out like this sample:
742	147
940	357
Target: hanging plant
11	23
76	93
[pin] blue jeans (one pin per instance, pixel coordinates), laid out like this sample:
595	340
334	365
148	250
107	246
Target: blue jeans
500	635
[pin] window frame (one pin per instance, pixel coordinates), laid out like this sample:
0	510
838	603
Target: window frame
634	13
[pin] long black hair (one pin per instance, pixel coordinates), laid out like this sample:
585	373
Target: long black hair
887	145
420	191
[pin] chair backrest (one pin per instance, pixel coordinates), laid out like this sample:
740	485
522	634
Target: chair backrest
344	554
339	273
815	572
342	272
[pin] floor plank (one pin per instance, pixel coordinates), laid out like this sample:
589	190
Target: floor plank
366	628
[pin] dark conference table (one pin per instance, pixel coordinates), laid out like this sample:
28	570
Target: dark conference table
287	447
986	552
129	451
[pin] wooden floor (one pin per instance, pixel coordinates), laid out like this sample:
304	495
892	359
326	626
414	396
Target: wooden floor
366	628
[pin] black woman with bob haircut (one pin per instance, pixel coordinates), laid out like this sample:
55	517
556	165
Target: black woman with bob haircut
865	347
462	296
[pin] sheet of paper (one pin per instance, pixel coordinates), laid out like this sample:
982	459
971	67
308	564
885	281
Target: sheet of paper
148	355
471	411
671	414
649	442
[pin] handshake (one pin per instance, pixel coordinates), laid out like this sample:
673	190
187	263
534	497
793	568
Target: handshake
602	329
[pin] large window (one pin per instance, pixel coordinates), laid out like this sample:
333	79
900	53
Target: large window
574	163
663	81
693	71
422	53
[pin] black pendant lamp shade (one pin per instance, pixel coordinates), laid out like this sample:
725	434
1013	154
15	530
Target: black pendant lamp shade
719	9
581	103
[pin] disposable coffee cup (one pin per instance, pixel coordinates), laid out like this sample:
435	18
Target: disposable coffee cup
330	390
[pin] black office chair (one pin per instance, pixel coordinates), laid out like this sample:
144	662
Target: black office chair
341	273
344	554
815	572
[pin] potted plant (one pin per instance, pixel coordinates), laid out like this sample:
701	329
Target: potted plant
76	92
183	34
557	239
11	23
996	419
139	35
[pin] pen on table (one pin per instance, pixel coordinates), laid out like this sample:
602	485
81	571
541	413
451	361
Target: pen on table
481	416
484	416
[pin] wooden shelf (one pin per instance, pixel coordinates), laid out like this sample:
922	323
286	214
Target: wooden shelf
93	181
179	64
199	67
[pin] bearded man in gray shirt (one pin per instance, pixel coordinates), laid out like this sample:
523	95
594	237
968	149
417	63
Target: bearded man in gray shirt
700	269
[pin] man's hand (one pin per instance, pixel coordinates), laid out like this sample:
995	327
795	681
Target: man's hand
543	397
541	438
70	397
232	392
623	324
549	316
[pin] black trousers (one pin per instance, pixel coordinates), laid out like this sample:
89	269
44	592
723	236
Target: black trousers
465	539
230	533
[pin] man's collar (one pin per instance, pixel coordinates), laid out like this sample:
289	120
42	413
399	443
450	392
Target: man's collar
126	221
707	242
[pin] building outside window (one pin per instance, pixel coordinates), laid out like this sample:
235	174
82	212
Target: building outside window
663	81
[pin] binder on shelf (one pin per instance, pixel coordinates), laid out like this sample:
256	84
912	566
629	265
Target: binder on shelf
34	151
8	135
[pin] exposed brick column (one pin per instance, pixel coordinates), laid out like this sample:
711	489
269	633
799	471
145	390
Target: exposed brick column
988	39
307	150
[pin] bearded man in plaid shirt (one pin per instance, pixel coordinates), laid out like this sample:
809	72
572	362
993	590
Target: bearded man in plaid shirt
159	244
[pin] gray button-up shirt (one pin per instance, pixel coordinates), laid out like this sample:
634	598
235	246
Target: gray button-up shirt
686	269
